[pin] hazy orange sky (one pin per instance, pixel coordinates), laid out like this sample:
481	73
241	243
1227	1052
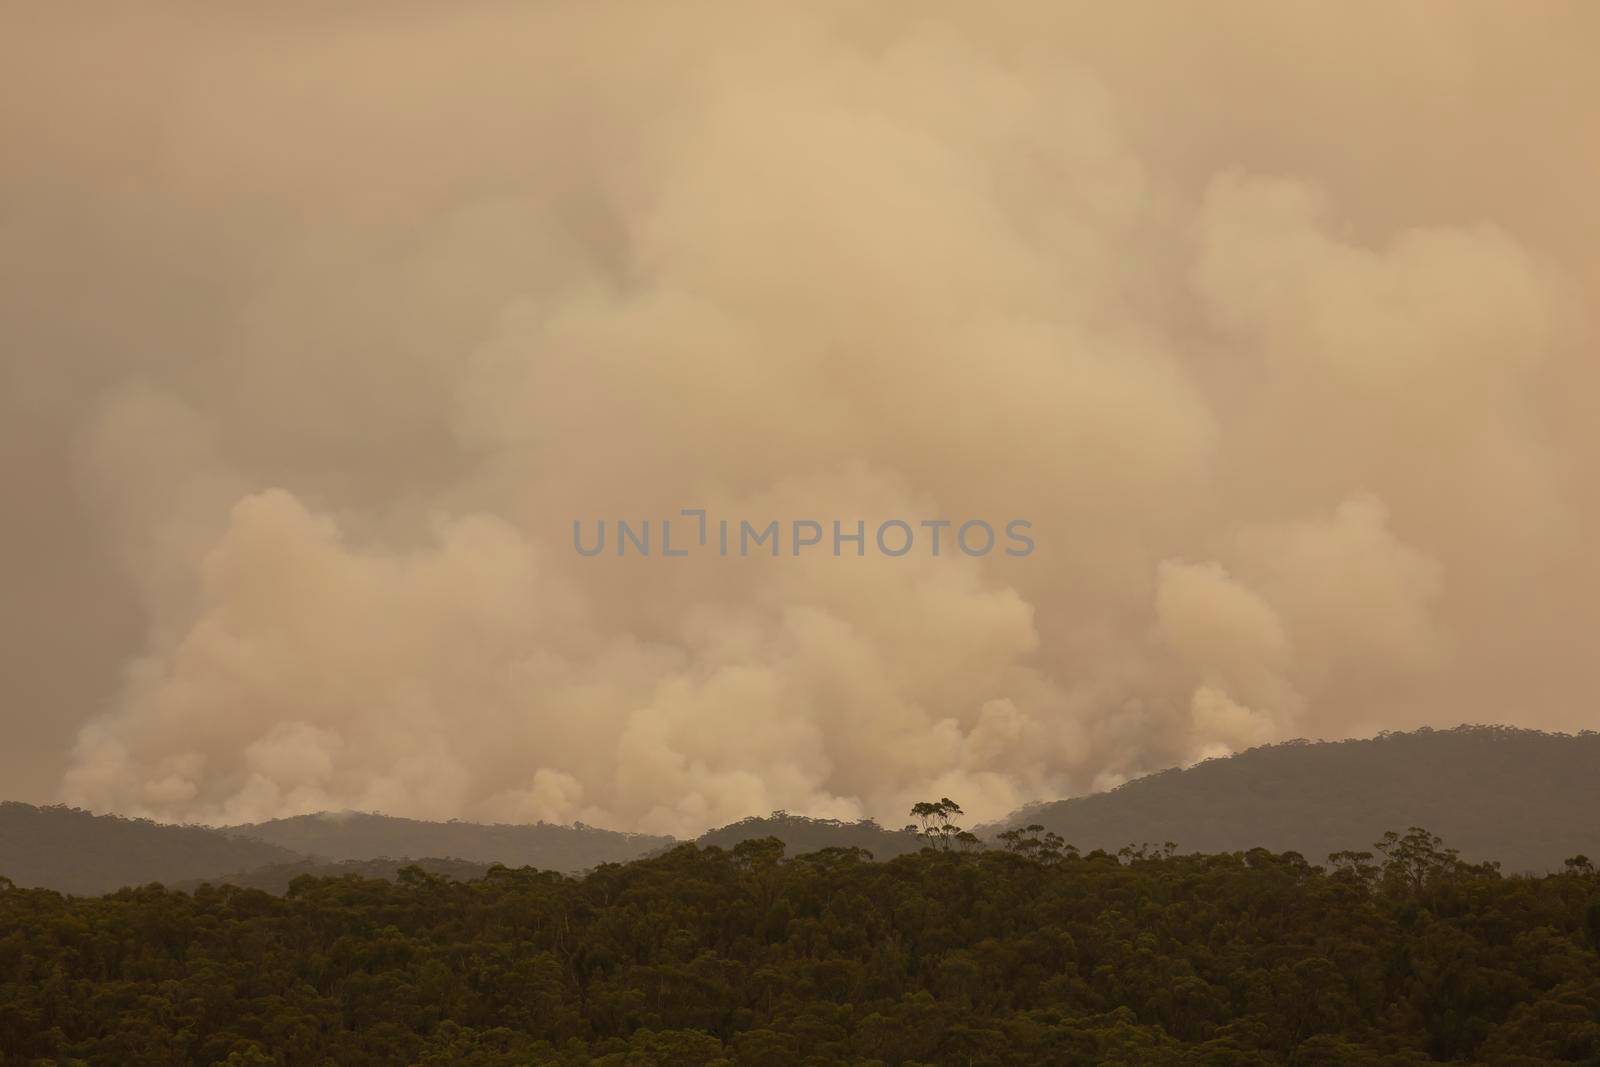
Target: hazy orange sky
1277	320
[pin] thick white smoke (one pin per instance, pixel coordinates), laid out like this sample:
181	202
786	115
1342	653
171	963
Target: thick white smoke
1272	324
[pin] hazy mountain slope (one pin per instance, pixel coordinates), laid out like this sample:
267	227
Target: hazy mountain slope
801	835
275	877
360	836
74	851
1525	798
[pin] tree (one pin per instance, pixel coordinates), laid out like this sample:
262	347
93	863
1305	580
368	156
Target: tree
936	822
1415	860
1034	843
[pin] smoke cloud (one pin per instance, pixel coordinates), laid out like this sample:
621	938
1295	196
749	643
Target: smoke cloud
322	328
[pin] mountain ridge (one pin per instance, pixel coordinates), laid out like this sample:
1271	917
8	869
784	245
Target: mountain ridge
1525	798
340	836
1528	799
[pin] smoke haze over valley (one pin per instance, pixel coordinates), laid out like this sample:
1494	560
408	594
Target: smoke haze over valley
322	327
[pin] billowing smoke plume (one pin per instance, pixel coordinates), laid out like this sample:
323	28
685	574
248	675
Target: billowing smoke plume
1276	322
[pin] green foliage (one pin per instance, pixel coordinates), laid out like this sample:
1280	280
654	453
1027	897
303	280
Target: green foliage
278	877
936	824
1022	955
800	834
1035	843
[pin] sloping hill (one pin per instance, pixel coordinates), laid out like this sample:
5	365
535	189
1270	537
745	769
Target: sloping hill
800	835
362	836
75	851
1525	798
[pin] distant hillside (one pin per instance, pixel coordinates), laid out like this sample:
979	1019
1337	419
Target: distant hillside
75	851
360	836
1525	798
275	877
801	835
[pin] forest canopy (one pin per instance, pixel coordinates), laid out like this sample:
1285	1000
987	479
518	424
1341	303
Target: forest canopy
1022	954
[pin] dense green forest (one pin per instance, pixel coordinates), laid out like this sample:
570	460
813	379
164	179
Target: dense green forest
1022	954
277	877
